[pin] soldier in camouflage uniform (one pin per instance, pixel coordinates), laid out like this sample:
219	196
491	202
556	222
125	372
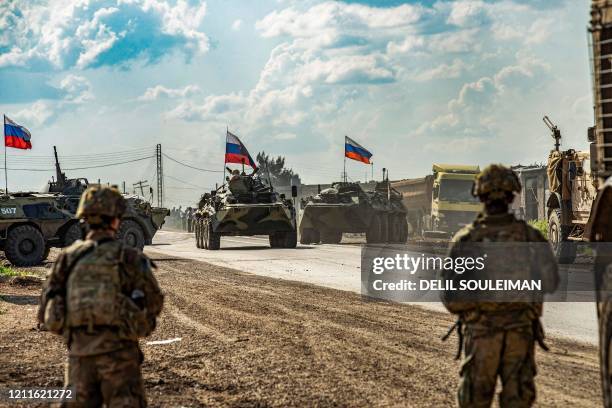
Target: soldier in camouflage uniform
102	297
500	336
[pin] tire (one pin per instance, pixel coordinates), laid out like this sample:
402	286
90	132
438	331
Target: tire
213	239
72	234
331	237
276	240
374	230
394	228
306	236
403	229
565	250
46	253
290	239
204	234
197	235
384	228
25	246
131	234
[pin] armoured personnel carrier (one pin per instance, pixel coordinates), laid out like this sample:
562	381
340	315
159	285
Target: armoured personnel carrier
242	207
30	224
346	207
138	226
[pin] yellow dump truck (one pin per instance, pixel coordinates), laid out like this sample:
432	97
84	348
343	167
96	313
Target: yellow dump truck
441	203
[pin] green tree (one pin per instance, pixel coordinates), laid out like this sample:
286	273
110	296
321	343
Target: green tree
280	175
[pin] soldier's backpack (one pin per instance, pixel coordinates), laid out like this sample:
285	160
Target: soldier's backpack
94	296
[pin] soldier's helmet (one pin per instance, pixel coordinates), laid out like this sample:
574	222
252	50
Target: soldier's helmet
495	182
100	203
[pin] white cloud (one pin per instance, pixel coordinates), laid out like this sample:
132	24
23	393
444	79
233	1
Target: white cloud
37	114
77	89
467	13
160	91
442	71
236	25
81	33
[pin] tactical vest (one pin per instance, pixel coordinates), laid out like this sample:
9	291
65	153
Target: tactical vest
510	257
93	290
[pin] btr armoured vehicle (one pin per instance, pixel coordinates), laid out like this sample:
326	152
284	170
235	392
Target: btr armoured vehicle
138	226
245	206
346	207
32	223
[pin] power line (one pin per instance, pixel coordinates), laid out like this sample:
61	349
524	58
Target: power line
186	182
86	167
192	167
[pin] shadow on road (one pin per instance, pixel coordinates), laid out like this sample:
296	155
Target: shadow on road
260	248
20	299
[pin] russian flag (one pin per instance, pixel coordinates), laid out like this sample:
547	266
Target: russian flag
355	151
16	135
235	152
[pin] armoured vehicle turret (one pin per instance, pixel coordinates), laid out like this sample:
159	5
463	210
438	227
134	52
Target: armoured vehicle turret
245	206
346	207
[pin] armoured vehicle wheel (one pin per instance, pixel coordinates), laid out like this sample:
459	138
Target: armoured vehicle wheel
403	223
394	228
131	234
306	236
46	253
290	239
25	246
331	237
72	234
197	235
374	231
213	239
384	228
276	240
557	235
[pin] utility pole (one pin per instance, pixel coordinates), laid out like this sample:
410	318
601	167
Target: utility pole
141	185
160	176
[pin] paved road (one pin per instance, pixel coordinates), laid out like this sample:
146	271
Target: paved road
338	267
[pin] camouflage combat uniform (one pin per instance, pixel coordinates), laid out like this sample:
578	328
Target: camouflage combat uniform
500	336
102	297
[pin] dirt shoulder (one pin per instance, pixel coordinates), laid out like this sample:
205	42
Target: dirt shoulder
254	341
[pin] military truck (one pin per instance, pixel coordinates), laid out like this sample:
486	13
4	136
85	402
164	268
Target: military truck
32	223
138	226
440	204
245	206
346	207
572	193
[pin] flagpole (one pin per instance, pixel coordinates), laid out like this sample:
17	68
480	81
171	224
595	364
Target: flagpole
5	169
345	158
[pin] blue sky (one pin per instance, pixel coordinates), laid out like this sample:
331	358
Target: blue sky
416	82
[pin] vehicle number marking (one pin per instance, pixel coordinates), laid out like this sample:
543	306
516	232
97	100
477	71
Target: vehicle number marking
8	210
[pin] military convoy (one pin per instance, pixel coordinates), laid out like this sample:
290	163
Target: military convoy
32	223
441	203
245	206
346	207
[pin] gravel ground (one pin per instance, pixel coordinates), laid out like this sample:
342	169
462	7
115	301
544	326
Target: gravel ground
250	341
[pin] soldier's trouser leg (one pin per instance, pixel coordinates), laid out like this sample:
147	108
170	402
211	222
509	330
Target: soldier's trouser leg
113	378
518	369
479	368
81	376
